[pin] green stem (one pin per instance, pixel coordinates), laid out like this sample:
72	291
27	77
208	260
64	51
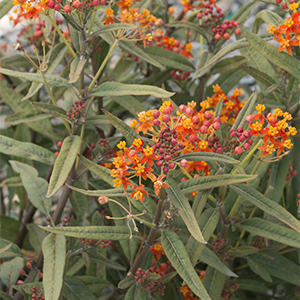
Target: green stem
54	101
102	65
92	23
62	37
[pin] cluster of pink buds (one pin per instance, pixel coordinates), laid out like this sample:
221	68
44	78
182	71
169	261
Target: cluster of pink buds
284	5
94	243
88	153
260	243
298	201
76	112
84	5
214	19
180	75
105	149
59	144
65	221
31	259
221	249
161	268
156	287
229	289
35	291
292	173
167	147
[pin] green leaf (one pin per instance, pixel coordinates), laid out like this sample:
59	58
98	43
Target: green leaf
110	28
128	281
213	282
35	77
279	266
36	236
9	228
25	116
185	211
259	269
281	59
207	223
245	111
11	181
121	89
113	233
99	171
64	163
266	16
25	287
75	289
242	251
267	205
50	109
9	273
54	250
207	156
9	249
131	48
228	64
130	103
242	43
35	186
259	76
128	132
26	150
95	120
271	231
94	284
179	259
118	192
251	285
76	68
207	182
97	257
211	259
170	58
5	7
3	295
189	25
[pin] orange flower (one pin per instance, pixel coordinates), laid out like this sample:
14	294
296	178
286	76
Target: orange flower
187	50
109	16
158	183
267	149
139	193
158	250
124	4
142	170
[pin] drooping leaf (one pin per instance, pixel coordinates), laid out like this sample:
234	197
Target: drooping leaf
11	181
50	109
251	285
94	284
228	64
266	16
9	272
121	89
185	211
259	76
36	187
267	205
75	289
281	59
179	259
25	116
213	282
242	251
271	231
130	103
54	250
113	233
95	120
207	223
26	150
64	163
259	269
4	295
207	182
5	7
170	58
188	25
36	236
76	68
110	28
9	249
207	156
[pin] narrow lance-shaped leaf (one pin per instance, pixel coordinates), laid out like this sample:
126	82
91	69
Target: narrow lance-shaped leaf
179	259
30	115
5	6
11	250
259	76
213	282
185	211
267	205
189	25
11	181
64	163
271	231
207	156
207	182
75	289
110	28
258	269
26	150
130	103
266	16
9	272
54	251
35	186
121	89
50	109
281	59
76	68
228	64
112	233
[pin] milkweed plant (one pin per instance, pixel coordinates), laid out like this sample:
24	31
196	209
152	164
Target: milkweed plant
150	150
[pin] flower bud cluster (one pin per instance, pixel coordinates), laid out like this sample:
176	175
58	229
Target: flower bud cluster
229	289
105	149
292	173
94	243
213	17
76	112
88	153
75	5
161	268
156	287
65	221
298	199
31	258
221	248
260	243
35	291
180	75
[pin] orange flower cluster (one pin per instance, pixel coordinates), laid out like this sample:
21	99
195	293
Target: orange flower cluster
288	34
276	133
